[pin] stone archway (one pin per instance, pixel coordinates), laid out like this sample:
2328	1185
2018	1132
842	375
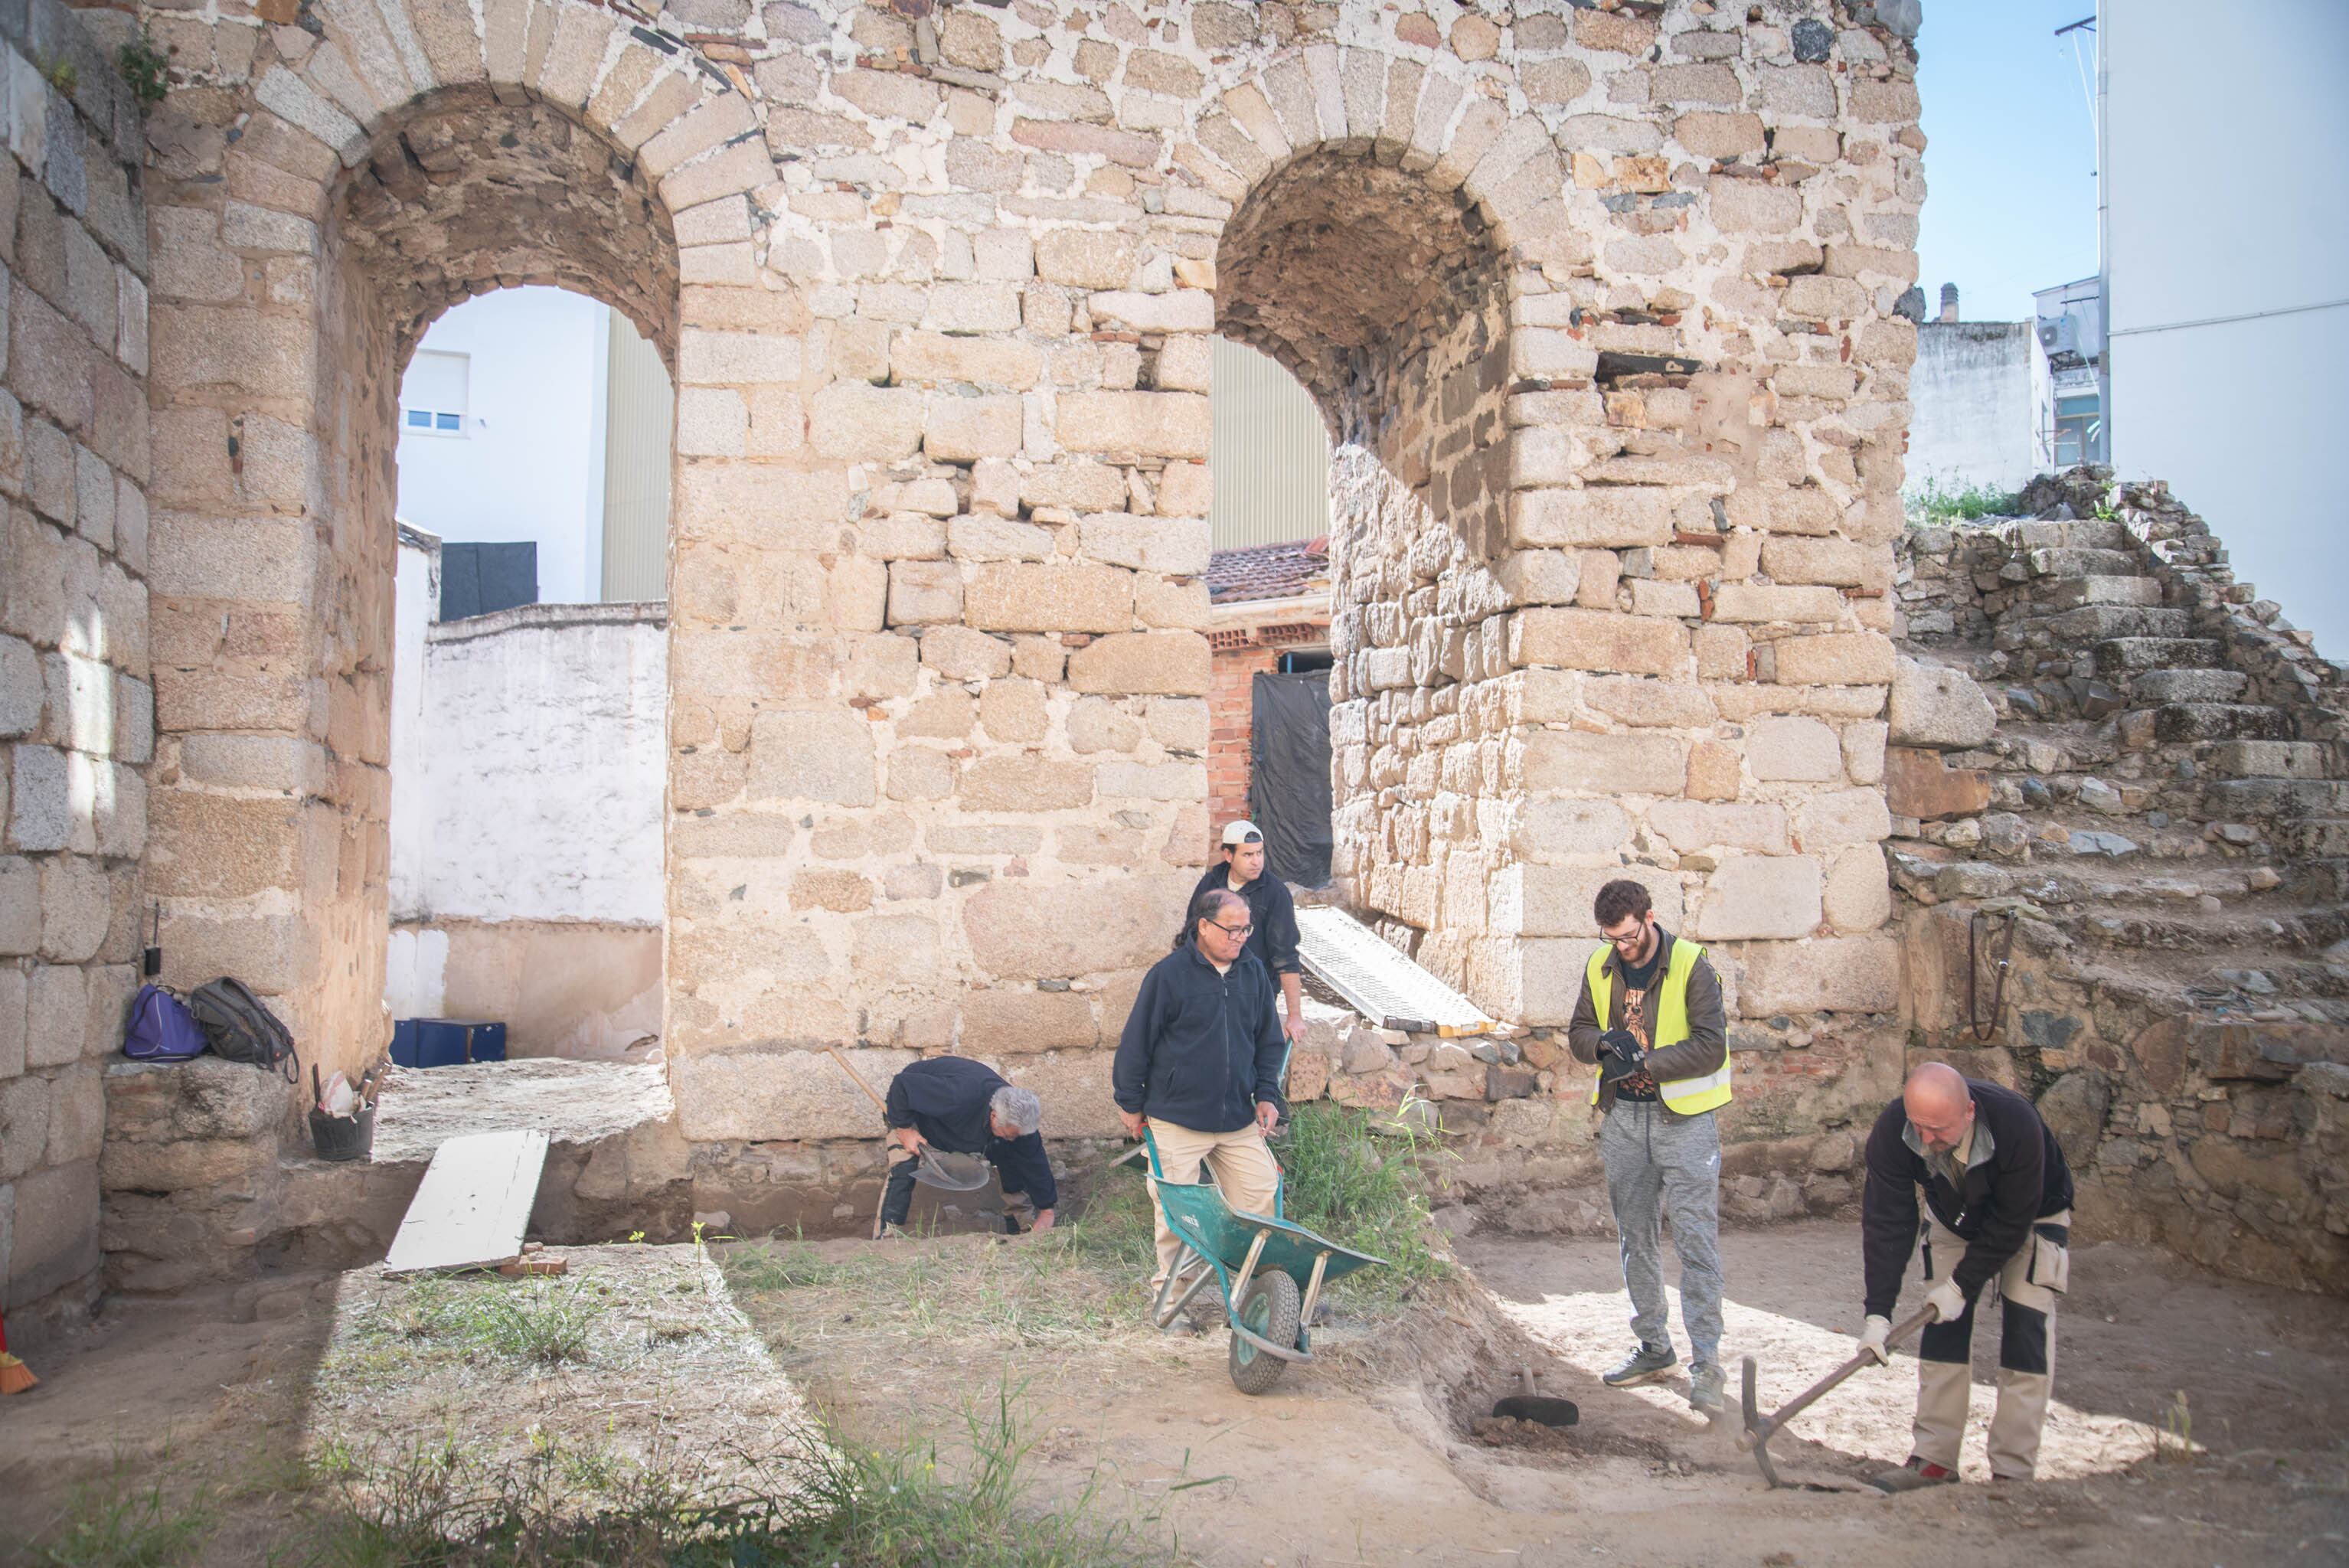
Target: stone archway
943	296
1389	300
283	323
1393	240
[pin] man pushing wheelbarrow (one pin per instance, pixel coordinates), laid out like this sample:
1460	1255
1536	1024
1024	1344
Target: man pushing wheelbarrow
1198	1077
1198	1067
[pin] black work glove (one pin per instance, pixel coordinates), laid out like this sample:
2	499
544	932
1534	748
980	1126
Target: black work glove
1618	1055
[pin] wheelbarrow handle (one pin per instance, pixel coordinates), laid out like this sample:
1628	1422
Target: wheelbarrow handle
1803	1401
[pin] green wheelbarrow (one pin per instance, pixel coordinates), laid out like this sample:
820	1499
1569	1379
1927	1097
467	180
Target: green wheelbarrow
1272	1274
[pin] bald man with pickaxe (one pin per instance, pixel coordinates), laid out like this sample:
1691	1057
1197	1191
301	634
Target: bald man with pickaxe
1998	1207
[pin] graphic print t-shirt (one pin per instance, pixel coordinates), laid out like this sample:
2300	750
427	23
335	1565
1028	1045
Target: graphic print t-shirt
1638	980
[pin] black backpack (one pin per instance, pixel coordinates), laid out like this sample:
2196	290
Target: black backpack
239	1028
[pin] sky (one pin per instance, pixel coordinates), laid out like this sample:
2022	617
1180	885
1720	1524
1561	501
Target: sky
2010	155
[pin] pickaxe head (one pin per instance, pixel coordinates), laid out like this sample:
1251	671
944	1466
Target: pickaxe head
1756	1435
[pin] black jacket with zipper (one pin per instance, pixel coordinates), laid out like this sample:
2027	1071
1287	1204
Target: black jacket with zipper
1993	1206
1273	909
1200	1050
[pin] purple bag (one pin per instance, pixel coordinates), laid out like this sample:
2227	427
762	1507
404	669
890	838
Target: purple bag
161	1028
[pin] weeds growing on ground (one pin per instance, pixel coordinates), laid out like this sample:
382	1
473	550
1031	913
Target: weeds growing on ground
1932	504
546	1322
1354	1176
848	1507
2173	1435
116	1523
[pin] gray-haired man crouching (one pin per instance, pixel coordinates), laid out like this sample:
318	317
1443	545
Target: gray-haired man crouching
963	1106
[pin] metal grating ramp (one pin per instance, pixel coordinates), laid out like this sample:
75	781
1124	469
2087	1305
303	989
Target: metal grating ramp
1378	982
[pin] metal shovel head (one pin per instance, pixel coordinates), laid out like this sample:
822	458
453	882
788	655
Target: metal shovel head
1539	1408
951	1172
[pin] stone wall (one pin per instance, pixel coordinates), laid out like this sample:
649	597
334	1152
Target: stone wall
2119	758
1601	303
76	708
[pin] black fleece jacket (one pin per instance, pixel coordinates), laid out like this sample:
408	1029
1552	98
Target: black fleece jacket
1200	1050
1273	909
1993	1206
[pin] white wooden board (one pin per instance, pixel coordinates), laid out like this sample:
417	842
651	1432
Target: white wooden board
1379	983
473	1204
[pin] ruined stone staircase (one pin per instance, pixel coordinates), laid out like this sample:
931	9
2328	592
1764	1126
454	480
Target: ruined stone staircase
2151	783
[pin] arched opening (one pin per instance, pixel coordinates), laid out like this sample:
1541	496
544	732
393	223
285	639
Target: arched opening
1387	299
285	338
529	672
522	277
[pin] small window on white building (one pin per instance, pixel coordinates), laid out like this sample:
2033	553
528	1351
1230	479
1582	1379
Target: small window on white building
2077	429
432	396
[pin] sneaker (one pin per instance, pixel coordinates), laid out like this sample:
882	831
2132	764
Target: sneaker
1914	1476
1707	1388
894	1233
1646	1362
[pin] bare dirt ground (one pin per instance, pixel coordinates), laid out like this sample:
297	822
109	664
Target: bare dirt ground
1373	1457
1370	1457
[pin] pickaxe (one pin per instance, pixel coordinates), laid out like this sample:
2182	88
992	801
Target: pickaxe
1759	1429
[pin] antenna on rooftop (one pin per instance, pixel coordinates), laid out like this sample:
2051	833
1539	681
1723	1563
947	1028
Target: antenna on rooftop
2077	30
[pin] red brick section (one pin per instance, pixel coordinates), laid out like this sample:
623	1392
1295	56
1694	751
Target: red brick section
1230	710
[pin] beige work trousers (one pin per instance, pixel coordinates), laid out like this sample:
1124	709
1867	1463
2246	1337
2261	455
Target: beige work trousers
2028	1289
1244	1168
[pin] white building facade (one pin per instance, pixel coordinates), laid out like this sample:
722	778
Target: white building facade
535	416
2227	279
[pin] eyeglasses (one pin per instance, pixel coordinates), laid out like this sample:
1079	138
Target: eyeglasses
1232	930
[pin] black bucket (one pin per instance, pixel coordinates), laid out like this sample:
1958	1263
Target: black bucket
342	1137
1539	1409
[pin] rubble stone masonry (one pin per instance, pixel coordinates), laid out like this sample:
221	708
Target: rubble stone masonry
1598	299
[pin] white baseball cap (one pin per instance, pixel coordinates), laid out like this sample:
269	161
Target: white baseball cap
1241	832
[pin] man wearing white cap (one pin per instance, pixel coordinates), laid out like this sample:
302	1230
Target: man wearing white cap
1270	908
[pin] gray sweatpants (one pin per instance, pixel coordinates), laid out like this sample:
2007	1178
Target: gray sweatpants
1660	1164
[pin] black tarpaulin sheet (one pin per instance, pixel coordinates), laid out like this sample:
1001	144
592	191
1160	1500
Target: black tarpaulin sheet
483	579
1288	777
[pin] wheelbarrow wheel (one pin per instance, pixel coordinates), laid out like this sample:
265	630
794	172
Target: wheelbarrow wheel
1270	1312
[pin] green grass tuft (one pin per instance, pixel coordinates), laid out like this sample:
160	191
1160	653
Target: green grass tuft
540	1321
1933	504
910	1507
117	1524
1355	1176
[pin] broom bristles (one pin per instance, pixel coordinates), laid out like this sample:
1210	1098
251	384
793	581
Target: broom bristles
15	1378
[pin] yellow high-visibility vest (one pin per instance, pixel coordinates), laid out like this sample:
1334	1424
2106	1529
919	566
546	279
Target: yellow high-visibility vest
1688	1095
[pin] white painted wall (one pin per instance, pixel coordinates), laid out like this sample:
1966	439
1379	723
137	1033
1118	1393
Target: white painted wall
529	463
543	755
1970	395
2224	135
415	970
416	594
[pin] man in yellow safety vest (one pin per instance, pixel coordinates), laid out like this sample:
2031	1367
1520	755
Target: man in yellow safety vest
1649	1020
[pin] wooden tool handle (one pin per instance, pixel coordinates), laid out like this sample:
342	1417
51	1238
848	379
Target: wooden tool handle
858	1078
1802	1402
